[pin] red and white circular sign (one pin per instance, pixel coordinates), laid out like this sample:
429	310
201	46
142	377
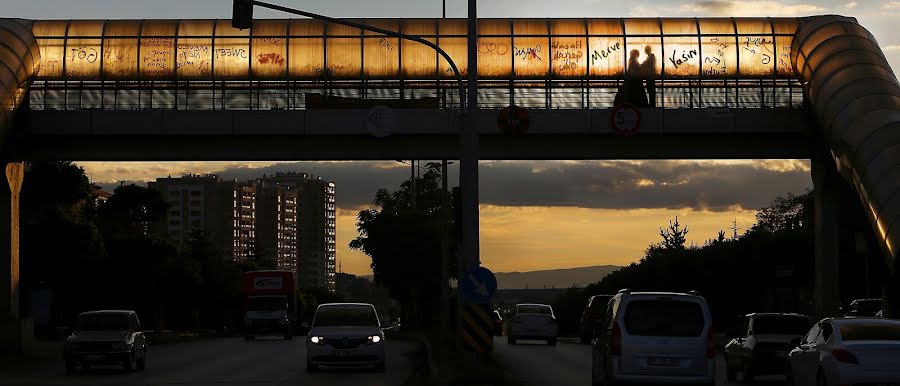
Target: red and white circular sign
625	119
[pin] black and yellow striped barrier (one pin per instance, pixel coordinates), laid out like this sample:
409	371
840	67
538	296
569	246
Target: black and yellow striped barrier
477	328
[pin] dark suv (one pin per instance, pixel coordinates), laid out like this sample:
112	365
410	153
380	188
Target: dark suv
763	344
592	317
865	307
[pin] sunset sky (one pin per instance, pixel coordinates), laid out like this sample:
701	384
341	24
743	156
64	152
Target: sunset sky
534	215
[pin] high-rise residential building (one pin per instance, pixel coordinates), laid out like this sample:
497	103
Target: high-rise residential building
288	217
276	224
316	227
225	210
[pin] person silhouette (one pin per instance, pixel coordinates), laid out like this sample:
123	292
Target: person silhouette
632	90
648	68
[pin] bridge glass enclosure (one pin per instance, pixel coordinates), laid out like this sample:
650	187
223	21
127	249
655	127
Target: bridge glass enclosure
535	63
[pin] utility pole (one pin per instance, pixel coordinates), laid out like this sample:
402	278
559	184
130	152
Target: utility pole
412	188
734	229
445	252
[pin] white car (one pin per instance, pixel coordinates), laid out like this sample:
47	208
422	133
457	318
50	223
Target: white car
655	338
345	334
847	351
534	322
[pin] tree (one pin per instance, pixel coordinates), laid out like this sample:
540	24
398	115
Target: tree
404	244
131	210
674	237
786	213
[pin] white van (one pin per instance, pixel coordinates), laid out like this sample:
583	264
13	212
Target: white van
655	337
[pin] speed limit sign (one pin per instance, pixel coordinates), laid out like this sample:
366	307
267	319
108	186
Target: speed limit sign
626	119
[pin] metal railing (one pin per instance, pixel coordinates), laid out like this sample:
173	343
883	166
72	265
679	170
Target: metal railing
296	95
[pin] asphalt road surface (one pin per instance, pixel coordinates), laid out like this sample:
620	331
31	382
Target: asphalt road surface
534	363
227	361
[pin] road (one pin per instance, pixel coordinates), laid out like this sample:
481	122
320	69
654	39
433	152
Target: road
537	364
227	361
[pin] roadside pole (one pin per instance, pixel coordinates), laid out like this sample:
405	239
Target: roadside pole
467	257
445	252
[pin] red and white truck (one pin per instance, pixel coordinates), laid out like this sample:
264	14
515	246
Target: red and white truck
271	304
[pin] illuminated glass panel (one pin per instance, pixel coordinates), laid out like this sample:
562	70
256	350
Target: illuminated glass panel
682	57
607	56
531	55
568	57
157	49
496	27
306	51
647	51
783	44
193	57
52	49
418	61
269	49
642	27
716	26
120	55
719	56
568	27
756	55
458	51
231	54
495	55
753	26
679	26
83	55
344	58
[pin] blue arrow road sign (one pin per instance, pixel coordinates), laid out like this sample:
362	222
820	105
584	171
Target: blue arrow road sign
478	286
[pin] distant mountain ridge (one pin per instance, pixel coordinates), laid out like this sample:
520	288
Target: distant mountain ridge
551	278
554	278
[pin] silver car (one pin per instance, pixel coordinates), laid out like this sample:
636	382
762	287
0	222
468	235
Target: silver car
106	337
655	338
345	334
534	322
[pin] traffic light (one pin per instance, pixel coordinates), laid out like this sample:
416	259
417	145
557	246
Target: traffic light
242	18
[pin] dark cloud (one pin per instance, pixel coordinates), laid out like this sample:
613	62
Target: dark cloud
701	185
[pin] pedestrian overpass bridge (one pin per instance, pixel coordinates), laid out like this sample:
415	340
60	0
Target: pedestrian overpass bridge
817	87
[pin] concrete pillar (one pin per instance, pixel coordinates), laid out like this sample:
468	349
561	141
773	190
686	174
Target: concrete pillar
826	180
10	324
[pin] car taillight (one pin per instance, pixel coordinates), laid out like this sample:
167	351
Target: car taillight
844	356
615	340
710	343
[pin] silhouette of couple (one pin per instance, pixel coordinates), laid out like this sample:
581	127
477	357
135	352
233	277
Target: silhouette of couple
632	90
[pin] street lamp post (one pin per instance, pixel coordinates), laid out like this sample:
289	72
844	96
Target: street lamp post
468	176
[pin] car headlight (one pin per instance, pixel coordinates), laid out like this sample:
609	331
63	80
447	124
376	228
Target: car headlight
317	339
375	339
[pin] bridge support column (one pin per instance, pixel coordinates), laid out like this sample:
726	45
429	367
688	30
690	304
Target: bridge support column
10	322
827	215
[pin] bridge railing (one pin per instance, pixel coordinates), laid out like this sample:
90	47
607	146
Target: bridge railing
294	95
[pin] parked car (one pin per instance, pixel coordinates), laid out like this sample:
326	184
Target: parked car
865	307
106	337
592	317
498	323
847	351
655	338
763	344
532	322
345	334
